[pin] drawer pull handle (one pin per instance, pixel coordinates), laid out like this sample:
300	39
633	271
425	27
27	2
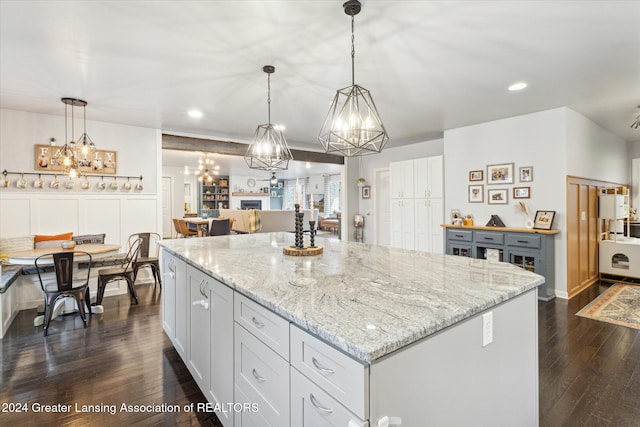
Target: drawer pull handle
314	402
459	235
488	238
522	241
320	367
258	377
258	323
201	302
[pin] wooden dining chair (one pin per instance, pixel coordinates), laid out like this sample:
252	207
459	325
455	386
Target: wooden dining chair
124	272
186	231
65	285
148	255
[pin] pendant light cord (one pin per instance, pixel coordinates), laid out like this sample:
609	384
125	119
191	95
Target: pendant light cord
269	96
353	51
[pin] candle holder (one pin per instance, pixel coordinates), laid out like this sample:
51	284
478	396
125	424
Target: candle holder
298	248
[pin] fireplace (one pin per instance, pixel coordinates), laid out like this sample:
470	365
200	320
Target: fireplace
250	204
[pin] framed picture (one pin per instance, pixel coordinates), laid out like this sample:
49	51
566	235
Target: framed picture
456	216
544	220
526	174
498	196
366	192
476	175
521	192
476	193
500	174
49	158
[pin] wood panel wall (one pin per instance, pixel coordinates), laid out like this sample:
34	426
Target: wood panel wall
583	232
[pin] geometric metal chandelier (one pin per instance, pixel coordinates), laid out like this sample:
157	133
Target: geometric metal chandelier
353	126
269	150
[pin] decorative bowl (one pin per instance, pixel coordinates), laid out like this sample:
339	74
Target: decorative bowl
68	244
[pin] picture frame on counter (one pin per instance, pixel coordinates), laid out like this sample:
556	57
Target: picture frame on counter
500	174
521	192
366	192
476	193
544	220
498	196
476	175
526	174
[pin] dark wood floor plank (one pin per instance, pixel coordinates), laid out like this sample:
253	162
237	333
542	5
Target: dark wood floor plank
589	370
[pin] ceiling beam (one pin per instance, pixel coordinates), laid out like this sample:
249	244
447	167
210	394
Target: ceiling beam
185	143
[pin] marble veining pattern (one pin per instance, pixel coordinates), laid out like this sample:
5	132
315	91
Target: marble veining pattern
366	300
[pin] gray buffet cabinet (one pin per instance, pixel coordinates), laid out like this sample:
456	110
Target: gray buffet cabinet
530	249
361	336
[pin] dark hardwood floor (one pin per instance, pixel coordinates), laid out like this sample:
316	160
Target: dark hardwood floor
123	356
589	370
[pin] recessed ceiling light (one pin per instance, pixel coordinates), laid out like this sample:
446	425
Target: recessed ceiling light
195	114
518	86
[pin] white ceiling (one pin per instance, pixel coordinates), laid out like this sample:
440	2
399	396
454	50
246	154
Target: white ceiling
430	65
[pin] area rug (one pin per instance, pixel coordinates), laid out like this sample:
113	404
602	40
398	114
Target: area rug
620	305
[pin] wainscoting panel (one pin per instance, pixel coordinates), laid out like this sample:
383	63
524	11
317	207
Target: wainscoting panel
54	216
102	215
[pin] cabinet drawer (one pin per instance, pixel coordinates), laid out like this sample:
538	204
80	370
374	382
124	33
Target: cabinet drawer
270	328
262	376
463	235
311	406
343	377
523	241
489	237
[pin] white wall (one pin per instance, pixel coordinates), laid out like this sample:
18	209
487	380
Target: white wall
373	162
594	152
556	143
48	211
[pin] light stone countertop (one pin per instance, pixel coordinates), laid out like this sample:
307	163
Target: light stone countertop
363	299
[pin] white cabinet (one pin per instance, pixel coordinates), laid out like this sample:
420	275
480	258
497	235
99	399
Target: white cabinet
261	377
175	320
313	407
416	215
428	177
402	223
200	330
429	236
402	179
221	357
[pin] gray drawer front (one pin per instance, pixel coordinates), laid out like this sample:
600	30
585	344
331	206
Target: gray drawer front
489	237
523	241
462	235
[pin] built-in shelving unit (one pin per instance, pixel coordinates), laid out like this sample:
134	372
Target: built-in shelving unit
276	193
214	195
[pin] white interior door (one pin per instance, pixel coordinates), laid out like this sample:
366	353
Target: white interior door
383	208
167	215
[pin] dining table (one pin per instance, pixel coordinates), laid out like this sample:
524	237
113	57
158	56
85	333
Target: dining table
201	223
28	257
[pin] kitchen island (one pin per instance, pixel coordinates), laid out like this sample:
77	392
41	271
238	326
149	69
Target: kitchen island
360	335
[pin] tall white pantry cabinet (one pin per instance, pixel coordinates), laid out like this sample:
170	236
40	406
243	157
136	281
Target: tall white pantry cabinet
417	189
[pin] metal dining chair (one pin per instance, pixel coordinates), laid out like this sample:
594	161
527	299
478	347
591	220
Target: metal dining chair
220	227
124	272
148	255
65	284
